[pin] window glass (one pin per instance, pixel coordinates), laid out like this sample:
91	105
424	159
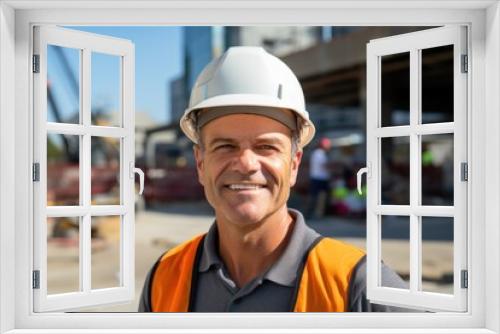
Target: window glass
437	76
106	90
105	170
395	170
63	255
395	246
63	84
105	234
437	254
395	87
437	169
63	169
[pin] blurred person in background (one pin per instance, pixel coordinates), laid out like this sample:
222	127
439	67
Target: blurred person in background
247	120
319	179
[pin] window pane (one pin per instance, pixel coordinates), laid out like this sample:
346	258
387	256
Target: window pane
63	170
437	84
105	170
63	84
395	246
437	254
395	170
437	169
63	255
105	252
106	90
395	95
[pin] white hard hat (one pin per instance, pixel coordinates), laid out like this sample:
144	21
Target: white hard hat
251	77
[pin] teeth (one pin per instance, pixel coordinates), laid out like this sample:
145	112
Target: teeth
244	186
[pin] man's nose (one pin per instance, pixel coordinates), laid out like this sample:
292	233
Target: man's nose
246	162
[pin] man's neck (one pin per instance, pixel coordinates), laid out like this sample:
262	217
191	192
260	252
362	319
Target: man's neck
248	252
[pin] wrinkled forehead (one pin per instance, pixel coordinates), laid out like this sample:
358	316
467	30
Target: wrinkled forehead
284	116
245	128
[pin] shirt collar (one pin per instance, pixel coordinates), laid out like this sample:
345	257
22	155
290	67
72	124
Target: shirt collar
210	256
284	270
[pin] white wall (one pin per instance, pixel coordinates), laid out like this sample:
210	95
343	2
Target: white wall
492	149
7	175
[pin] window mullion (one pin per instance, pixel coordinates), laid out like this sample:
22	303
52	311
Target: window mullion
85	253
127	157
415	76
80	130
86	174
420	210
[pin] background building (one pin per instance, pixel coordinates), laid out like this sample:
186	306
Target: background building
202	44
277	40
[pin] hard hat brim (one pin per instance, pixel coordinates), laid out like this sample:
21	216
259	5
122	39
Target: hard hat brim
307	128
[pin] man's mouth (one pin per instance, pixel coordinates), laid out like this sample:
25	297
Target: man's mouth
245	186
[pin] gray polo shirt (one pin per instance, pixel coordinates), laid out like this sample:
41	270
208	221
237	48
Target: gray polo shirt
274	289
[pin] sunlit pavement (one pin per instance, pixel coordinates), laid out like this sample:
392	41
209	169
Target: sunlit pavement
155	232
160	229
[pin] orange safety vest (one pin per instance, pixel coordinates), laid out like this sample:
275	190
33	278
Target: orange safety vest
323	287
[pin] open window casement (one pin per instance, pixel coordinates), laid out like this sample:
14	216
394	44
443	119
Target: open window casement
404	135
68	203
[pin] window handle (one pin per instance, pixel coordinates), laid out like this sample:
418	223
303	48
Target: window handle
141	179
139	171
361	171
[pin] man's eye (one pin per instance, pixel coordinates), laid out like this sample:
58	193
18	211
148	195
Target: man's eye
223	147
268	147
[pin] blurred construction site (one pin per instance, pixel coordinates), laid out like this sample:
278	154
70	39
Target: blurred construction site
330	63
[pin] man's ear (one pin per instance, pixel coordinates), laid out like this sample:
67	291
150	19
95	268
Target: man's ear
198	156
294	167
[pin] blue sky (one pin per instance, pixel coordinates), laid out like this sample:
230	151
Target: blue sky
158	56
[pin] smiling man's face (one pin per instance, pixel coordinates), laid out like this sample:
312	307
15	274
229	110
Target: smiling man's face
246	167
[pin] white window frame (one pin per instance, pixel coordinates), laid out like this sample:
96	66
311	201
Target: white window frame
16	217
412	43
86	44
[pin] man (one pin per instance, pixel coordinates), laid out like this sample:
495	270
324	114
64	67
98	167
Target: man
248	121
319	177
